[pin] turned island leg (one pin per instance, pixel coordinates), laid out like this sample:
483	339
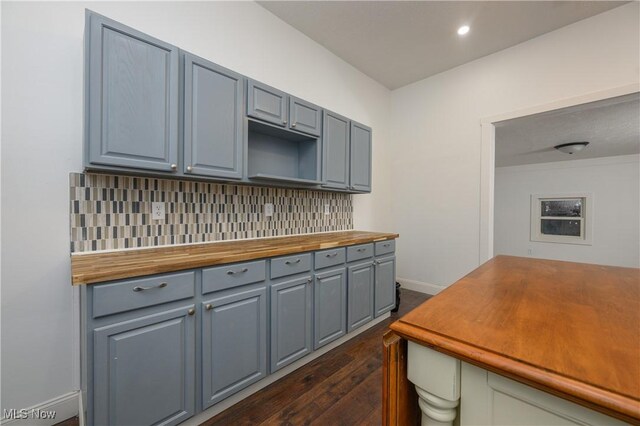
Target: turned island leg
437	380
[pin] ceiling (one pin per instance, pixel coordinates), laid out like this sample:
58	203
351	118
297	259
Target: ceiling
611	126
399	42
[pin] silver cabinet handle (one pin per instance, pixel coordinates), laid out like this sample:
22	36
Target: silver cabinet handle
174	167
332	254
240	271
290	262
309	280
208	306
189	169
293	124
362	249
284	121
386	245
191	311
141	288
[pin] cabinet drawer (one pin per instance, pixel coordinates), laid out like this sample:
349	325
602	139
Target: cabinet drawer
326	258
362	251
384	247
233	275
289	265
140	293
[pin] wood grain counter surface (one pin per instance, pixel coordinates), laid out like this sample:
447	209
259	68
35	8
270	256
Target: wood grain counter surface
89	268
566	328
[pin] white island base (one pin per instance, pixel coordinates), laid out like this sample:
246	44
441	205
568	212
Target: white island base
452	392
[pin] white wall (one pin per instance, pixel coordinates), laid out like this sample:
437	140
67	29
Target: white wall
614	184
42	54
437	137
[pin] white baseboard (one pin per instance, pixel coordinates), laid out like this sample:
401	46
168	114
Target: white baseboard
232	400
65	406
427	288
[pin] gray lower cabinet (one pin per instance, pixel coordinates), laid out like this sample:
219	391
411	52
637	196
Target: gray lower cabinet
291	318
385	289
234	342
131	116
144	370
330	306
267	103
360	294
140	335
213	119
360	158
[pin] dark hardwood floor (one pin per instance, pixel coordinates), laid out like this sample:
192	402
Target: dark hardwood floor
342	387
73	421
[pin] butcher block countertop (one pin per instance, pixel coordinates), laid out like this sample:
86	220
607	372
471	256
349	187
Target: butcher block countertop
570	329
89	268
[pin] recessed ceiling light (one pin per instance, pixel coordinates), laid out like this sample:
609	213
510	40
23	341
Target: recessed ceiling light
463	30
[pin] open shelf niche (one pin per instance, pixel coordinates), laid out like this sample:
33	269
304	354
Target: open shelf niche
277	154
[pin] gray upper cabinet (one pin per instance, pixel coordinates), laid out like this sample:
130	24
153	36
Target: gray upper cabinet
335	151
291	317
385	291
213	119
153	109
360	293
304	116
131	98
330	306
267	103
144	370
234	342
360	158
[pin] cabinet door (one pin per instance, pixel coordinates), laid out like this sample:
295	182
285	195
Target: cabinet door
385	291
234	342
144	370
132	97
330	306
335	151
360	295
360	171
290	321
266	103
304	116
212	119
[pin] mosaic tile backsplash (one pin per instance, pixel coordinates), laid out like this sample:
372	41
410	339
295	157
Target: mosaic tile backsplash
114	212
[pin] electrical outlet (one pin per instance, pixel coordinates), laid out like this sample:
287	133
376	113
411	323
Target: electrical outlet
157	211
268	209
327	209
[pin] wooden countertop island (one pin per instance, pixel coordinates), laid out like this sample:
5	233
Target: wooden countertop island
89	268
569	329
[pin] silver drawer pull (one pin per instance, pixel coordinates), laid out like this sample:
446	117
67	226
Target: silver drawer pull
290	262
362	249
386	245
239	271
141	288
332	254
